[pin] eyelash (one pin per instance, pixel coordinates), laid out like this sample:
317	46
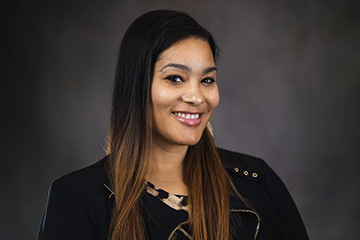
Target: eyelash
173	78
208	80
178	79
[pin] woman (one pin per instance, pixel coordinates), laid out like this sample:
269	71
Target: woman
163	177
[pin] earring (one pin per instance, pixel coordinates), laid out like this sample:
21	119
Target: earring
209	127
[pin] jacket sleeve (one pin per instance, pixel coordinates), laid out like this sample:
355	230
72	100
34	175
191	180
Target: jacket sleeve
285	205
68	213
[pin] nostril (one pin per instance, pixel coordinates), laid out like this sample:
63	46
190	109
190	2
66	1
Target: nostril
194	99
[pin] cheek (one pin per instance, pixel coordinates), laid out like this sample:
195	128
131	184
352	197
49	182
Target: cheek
161	98
213	98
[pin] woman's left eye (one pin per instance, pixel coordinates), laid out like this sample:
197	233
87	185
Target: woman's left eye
208	80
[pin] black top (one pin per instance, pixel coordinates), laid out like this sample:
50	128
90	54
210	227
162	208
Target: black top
166	212
79	205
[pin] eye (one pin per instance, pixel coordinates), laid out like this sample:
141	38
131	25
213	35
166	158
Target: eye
174	78
208	80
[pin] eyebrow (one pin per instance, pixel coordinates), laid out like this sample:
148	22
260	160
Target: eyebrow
187	68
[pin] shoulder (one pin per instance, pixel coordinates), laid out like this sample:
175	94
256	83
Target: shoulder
88	180
246	166
266	192
251	171
252	176
77	202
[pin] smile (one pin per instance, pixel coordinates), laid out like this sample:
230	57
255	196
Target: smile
189	119
187	115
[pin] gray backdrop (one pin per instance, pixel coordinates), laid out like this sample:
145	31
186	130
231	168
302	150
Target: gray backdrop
289	80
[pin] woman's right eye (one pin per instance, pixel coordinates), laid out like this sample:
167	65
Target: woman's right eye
174	78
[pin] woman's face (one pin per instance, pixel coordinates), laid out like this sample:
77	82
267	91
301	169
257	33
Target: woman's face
184	92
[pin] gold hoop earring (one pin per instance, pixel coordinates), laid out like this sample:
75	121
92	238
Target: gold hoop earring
209	127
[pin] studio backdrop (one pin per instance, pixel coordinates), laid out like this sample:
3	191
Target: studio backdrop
288	76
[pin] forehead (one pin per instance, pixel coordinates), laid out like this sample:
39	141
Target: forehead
188	50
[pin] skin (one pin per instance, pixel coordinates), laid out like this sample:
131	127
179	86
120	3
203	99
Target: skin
184	82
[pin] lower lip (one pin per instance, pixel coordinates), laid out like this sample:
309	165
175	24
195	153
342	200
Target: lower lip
190	122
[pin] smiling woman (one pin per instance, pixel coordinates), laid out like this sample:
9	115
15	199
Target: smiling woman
184	93
163	177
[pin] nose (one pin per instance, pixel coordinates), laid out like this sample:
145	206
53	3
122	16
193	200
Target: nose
193	96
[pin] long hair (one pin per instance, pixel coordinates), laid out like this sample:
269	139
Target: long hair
131	134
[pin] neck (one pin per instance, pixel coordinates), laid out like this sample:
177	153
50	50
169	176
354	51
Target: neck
166	169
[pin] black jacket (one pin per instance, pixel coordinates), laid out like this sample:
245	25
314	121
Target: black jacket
79	204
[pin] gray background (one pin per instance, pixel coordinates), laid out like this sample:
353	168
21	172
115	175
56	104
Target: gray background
289	80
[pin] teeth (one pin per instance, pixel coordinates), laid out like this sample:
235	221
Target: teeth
187	116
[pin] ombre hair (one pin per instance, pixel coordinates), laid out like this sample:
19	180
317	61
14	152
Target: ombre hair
131	134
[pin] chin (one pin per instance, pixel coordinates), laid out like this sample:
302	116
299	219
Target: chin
192	141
